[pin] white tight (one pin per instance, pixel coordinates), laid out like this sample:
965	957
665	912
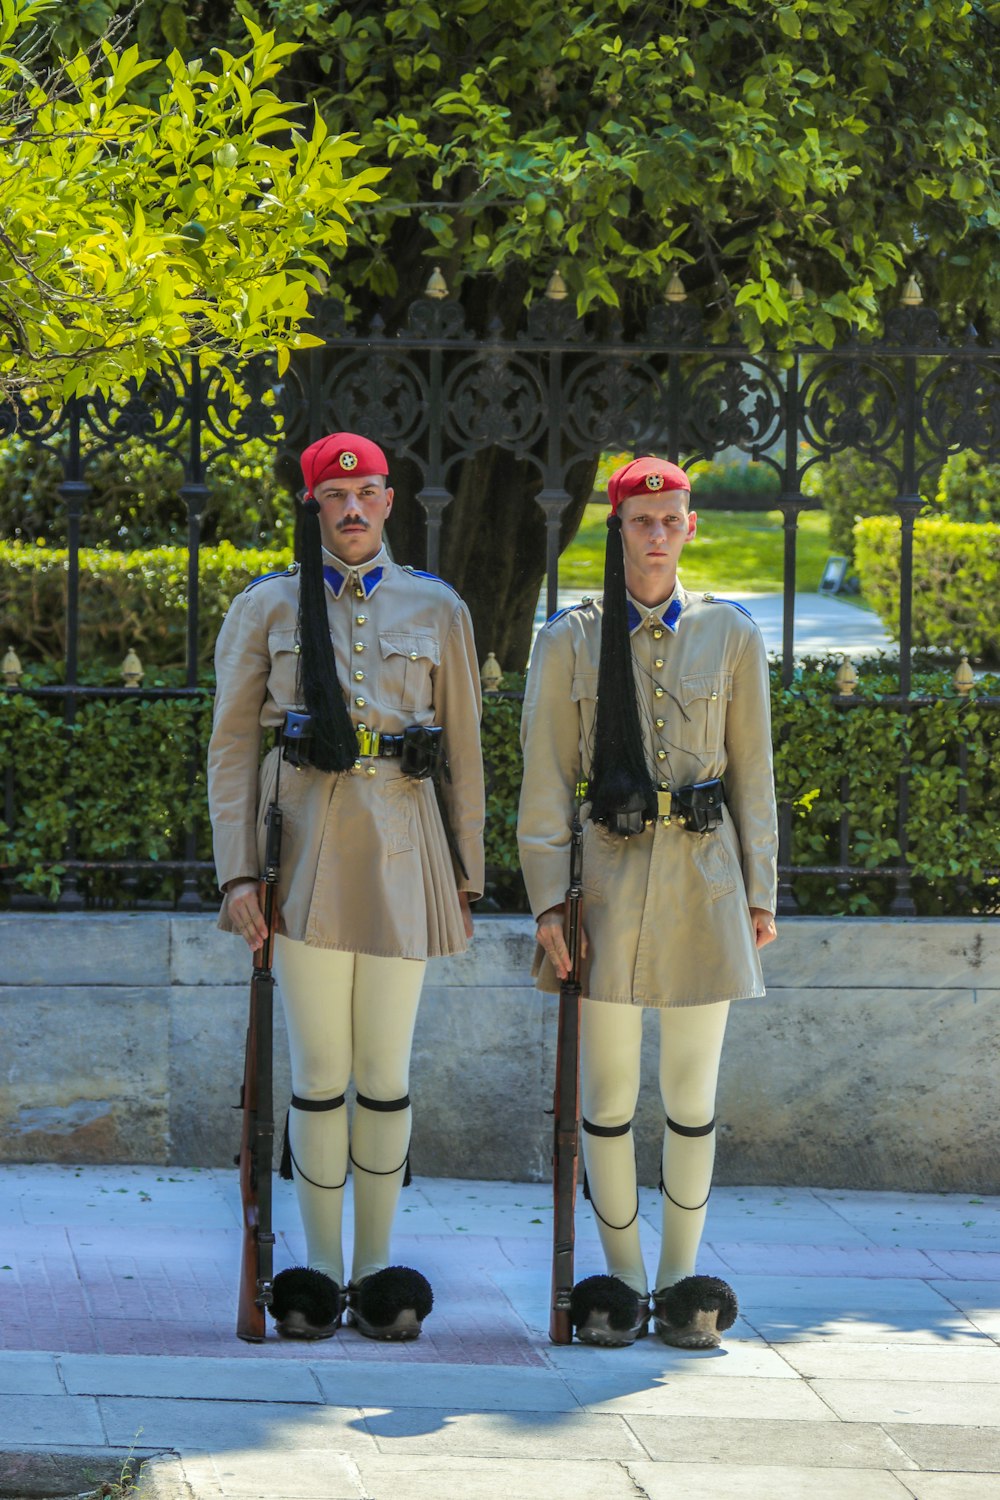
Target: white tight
348	1014
690	1050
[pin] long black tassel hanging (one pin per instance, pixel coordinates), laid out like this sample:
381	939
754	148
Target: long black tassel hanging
334	742
620	778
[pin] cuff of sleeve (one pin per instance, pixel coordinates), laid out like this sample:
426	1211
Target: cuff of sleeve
235	847
762	888
474	860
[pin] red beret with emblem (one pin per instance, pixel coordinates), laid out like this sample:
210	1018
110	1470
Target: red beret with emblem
645	476
342	455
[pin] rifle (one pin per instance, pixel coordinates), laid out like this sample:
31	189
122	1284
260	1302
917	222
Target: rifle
257	1104
566	1104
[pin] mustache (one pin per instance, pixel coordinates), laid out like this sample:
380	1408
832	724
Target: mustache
353	521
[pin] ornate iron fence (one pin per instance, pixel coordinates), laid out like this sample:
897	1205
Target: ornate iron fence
435	396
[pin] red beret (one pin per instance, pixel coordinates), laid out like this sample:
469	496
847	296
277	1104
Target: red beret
340	456
645	476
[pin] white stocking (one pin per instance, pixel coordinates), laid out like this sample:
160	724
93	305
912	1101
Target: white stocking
690	1050
610	1054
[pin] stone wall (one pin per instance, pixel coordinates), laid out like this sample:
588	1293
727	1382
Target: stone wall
871	1064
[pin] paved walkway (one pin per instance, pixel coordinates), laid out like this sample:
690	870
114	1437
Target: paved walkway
865	1365
822	624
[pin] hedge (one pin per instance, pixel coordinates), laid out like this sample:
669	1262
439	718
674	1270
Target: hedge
956	581
120	777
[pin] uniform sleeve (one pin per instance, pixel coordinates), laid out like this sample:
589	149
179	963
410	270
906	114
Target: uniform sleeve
750	776
458	708
550	741
242	664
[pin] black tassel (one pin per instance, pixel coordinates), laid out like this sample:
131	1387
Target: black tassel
285	1165
586	1187
619	777
407	1174
334	743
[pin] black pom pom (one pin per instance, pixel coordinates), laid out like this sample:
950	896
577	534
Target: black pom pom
620	779
678	1304
383	1295
605	1294
311	506
312	1293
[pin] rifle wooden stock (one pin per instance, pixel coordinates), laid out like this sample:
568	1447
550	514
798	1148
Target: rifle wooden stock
566	1107
256	1100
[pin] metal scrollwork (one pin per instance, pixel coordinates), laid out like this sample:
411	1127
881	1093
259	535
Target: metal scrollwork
674	323
431	318
153	412
851	403
733	403
494	399
551	322
960	406
612	404
380	392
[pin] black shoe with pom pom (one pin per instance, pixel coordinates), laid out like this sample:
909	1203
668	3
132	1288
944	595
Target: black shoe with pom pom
607	1312
306	1304
695	1313
390	1304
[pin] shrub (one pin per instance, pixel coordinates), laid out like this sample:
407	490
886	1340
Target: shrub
120	777
126	599
969	488
956	581
848	487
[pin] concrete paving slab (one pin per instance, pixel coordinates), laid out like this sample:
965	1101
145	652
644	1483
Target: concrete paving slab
811	1259
651	1360
979	1301
470	1387
960	1448
968	1265
779	1327
678	1395
415	1478
848	1293
220	1426
315	1474
53	1421
894	1362
959	1402
190	1379
27	1374
534	1435
954	1486
735	1482
769	1443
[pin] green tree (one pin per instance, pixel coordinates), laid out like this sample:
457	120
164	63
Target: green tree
855	141
134	232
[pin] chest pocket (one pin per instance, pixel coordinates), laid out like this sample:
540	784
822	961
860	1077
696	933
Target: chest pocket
705	697
407	662
283	648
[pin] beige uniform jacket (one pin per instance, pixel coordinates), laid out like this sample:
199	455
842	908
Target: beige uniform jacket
365	864
666	912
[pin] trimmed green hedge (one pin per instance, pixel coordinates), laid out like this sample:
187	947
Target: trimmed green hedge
956	581
124	767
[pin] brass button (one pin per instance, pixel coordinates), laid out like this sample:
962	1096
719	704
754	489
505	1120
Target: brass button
660	723
361	620
657	692
297	650
661	755
362	728
359	645
413	656
359	677
665	822
657	634
359	593
361	702
715	695
357	765
371	770
658	662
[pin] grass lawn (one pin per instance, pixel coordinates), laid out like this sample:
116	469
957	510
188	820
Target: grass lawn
733	550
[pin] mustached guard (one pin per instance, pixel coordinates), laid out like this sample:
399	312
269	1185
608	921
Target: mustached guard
334	743
622	789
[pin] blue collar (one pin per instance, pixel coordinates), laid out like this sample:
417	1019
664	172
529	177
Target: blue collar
369	575
671	615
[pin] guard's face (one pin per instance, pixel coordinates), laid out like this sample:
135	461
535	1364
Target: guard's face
352	515
654	529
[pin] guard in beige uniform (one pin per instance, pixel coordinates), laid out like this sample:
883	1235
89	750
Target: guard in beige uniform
368	671
651	709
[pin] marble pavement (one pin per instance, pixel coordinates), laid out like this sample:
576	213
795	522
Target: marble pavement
865	1365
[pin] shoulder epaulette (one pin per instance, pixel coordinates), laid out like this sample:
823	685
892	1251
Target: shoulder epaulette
567	609
419	573
278	573
715	599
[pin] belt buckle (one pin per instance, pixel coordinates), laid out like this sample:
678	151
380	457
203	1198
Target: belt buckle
664	803
368	741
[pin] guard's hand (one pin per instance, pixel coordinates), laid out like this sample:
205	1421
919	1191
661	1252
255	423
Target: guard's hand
245	913
463	901
763	926
552	937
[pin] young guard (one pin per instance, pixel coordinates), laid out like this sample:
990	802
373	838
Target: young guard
651	707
